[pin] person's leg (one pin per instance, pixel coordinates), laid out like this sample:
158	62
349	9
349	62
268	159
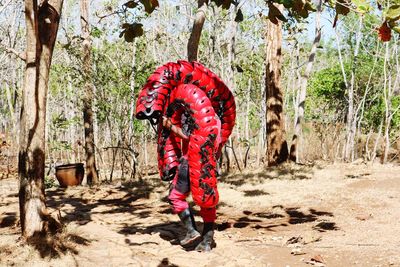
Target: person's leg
180	190
209	216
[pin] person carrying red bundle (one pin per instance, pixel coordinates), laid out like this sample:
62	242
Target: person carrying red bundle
180	190
195	113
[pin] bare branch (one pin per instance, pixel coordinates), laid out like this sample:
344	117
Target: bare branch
101	17
4	6
20	55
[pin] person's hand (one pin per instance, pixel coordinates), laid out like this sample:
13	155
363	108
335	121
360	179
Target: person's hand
167	122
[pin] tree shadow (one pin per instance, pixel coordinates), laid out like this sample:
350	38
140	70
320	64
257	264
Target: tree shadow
280	217
165	263
326	226
80	204
9	220
55	245
84	203
131	200
254	193
287	171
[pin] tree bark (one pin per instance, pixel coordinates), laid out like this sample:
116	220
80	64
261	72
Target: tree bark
194	39
351	116
388	104
277	150
41	32
294	155
91	171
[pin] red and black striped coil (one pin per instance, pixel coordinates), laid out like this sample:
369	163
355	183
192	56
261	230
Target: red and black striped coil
191	95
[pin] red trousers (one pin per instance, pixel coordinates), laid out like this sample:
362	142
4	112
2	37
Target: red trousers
181	185
179	204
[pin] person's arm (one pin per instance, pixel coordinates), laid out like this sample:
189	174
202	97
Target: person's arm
177	130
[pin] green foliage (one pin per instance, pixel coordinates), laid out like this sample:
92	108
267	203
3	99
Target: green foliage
393	17
376	112
59	121
362	6
96	32
113	67
393	12
327	94
49	182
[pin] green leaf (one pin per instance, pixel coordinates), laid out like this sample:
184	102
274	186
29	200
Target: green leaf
131	4
239	16
362	6
393	12
96	32
149	5
396	29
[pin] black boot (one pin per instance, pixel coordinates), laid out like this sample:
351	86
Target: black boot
188	221
208	242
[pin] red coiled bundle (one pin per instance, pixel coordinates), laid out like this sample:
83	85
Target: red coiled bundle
192	96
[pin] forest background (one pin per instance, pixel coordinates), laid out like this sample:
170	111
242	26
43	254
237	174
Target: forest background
233	44
313	81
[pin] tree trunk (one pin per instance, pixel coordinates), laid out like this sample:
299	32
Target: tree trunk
41	32
388	105
277	150
91	171
194	39
294	155
351	116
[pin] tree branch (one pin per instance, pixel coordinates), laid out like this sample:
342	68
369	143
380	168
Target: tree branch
4	6
20	55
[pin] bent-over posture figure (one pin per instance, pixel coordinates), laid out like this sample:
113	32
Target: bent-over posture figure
195	113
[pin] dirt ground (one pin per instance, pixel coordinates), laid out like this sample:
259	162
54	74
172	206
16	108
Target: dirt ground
321	215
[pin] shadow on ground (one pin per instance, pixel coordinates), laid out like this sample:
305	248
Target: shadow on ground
134	200
286	171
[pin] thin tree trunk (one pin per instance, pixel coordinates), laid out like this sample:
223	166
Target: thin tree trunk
373	154
247	130
277	150
194	39
388	104
350	125
41	32
294	155
132	112
10	107
91	171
